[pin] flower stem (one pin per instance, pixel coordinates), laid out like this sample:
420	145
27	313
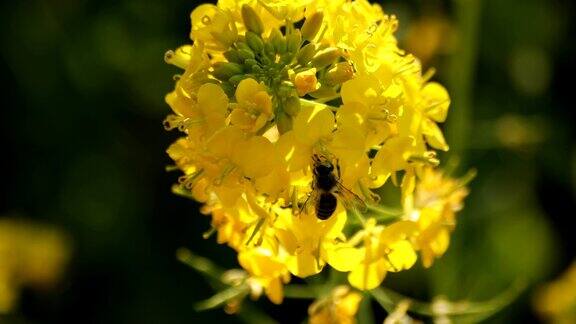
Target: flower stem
461	77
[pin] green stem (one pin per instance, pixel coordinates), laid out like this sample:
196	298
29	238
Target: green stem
461	76
222	298
200	264
300	292
365	312
389	299
384	211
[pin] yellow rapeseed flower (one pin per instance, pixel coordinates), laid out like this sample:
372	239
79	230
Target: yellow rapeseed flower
432	205
340	307
261	101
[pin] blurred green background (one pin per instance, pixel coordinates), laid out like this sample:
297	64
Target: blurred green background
83	148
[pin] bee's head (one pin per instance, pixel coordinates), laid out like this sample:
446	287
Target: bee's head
322	166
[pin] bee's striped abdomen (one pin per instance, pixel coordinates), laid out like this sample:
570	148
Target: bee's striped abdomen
326	205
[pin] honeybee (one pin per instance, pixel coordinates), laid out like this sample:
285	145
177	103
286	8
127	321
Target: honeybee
327	188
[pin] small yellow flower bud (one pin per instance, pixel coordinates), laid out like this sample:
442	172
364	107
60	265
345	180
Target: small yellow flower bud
306	53
292	106
225	70
254	41
326	57
340	73
312	26
306	82
252	20
294	41
278	40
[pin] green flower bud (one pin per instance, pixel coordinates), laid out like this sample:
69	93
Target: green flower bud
228	88
312	26
250	62
233	56
245	54
292	106
294	41
256	68
235	80
254	41
277	39
306	53
243	46
224	70
284	122
252	20
326	57
269	50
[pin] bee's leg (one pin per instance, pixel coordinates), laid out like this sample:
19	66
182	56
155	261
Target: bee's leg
303	207
338	169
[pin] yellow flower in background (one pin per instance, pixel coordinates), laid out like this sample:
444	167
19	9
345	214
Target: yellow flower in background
556	301
31	255
433	204
272	87
267	270
340	307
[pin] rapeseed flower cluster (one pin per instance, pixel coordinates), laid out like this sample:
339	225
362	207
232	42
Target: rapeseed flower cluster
270	87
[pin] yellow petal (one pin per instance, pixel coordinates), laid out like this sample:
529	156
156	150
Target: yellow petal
349	304
223	142
274	183
212	99
181	103
368	276
344	258
297	155
313	123
434	135
362	89
255	157
303	265
392	156
246	90
436	100
348	145
241	118
402	256
275	292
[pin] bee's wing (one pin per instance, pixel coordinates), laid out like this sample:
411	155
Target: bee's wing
349	199
310	200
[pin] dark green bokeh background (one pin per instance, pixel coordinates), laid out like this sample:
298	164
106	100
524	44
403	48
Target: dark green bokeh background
83	148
